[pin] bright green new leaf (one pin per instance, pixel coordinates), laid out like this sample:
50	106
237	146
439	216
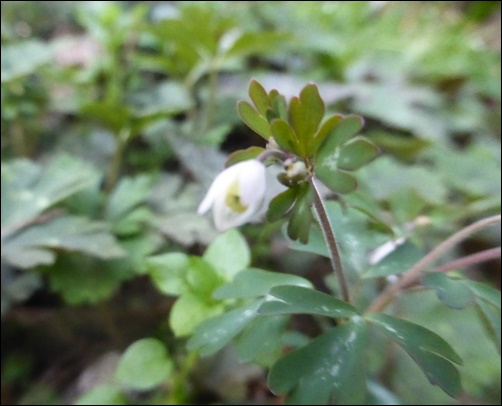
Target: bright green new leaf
189	311
215	333
259	97
337	181
298	299
144	365
253	119
281	203
168	272
243	155
202	279
356	154
256	282
331	365
432	354
452	292
228	254
298	119
104	394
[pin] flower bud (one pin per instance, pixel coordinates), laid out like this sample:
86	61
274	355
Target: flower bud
236	195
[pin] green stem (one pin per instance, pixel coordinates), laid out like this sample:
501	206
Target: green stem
386	297
178	393
116	164
329	236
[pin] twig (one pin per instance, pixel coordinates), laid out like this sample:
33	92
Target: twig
409	276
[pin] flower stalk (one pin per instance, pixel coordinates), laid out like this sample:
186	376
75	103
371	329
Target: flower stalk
329	236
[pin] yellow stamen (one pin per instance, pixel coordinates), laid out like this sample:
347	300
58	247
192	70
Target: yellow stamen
233	199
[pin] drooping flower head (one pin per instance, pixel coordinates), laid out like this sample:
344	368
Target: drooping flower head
236	195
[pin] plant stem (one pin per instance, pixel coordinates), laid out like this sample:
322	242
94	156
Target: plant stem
272	153
114	168
329	236
412	274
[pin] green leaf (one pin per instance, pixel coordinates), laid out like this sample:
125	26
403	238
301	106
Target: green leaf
259	97
342	131
332	363
301	217
323	132
356	154
253	119
243	155
112	116
298	299
129	193
215	333
104	394
300	124
452	292
144	365
261	341
281	203
28	189
201	278
284	136
256	282
228	254
189	311
32	245
279	105
24	58
432	354
336	180
491	318
313	110
168	272
485	292
398	261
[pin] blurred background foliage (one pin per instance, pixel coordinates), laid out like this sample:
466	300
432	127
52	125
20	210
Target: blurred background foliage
116	116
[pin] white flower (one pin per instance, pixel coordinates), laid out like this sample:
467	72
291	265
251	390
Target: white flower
236	195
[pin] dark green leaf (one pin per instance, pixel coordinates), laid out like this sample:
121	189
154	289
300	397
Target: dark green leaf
356	154
243	155
452	292
279	105
32	246
398	261
256	282
144	365
284	136
313	109
343	131
336	180
301	217
253	120
432	354
112	116
333	362
323	132
259	97
262	340
213	334
297	299
300	124
280	204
